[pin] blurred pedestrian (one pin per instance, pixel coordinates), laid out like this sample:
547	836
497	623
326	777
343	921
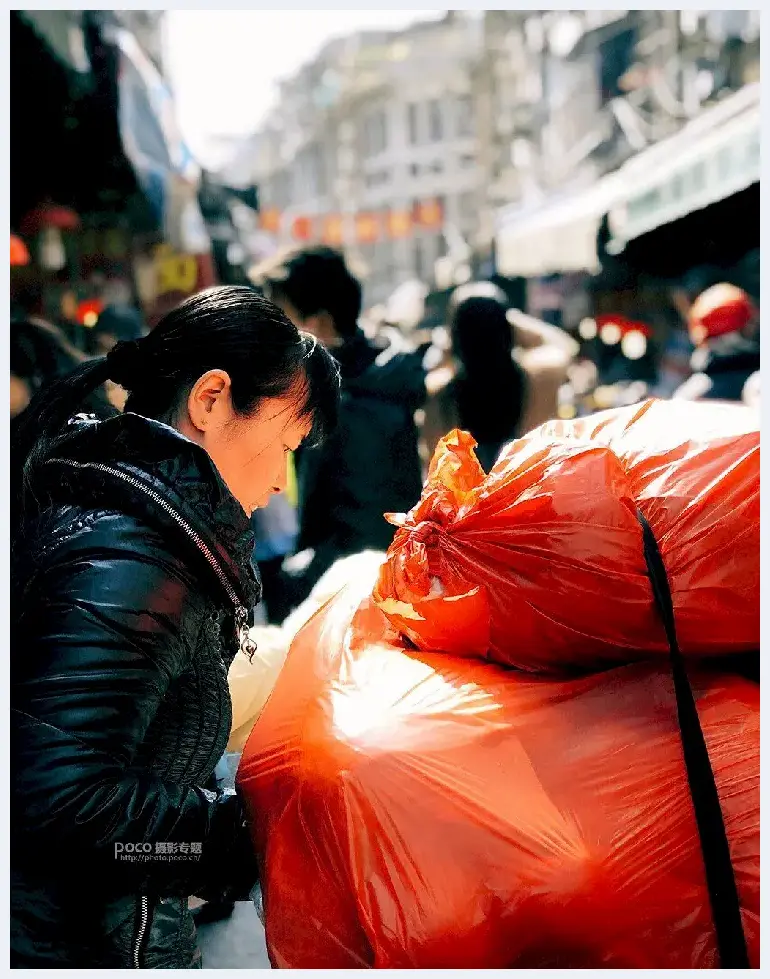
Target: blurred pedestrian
505	376
275	536
131	580
724	328
371	465
40	354
115	323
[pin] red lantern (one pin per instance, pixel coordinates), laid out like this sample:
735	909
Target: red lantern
270	221
333	231
429	214
19	252
623	324
302	228
367	228
398	224
89	312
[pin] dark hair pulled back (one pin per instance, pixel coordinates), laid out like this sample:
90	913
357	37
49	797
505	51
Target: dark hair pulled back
315	279
231	328
490	386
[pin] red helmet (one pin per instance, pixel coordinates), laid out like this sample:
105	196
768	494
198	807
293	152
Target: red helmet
723	308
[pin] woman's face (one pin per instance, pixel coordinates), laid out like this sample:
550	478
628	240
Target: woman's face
251	453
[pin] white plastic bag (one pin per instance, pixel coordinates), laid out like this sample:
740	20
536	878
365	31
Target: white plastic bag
252	681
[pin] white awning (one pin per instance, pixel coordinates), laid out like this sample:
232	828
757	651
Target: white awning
559	237
711	158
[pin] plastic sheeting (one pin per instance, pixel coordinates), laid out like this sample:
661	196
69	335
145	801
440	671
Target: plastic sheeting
541	565
252	681
419	810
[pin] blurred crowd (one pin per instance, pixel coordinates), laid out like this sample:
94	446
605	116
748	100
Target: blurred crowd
489	369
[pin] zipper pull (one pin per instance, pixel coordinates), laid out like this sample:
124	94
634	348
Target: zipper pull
245	643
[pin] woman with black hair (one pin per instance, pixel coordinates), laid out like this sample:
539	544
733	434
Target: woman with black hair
131	581
506	372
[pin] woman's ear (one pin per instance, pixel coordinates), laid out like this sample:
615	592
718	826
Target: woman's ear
209	403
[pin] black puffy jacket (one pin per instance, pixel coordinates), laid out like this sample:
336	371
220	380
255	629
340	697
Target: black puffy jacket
130	584
370	465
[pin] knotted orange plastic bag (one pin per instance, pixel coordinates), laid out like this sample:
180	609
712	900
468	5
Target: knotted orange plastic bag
540	565
416	810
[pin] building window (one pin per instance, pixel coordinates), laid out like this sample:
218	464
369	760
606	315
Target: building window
437	166
413	123
617	55
435	122
465	119
383	131
383	261
414	169
467	208
377	178
375	134
534	33
420	259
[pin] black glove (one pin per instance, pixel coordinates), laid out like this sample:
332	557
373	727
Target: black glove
232	874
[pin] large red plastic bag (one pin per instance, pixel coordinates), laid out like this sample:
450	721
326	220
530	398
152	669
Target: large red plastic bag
540	565
416	810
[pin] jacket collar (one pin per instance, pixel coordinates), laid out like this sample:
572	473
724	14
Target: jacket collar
355	354
181	475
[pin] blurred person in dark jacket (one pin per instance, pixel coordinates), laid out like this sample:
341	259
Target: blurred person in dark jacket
40	353
371	465
724	328
117	322
275	535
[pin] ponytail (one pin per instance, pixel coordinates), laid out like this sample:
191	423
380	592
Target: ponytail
35	431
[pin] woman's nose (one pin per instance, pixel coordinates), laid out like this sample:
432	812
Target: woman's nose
283	479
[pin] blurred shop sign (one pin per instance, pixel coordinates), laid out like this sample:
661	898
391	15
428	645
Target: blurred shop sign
166	276
175	272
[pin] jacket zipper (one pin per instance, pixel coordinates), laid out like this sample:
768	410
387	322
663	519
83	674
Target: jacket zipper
245	642
145	915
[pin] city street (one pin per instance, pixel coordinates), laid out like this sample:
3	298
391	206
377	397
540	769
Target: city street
385	414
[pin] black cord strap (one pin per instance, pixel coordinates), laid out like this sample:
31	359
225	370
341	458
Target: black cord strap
720	879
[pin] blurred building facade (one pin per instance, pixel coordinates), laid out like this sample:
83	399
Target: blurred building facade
378	122
503	111
611	124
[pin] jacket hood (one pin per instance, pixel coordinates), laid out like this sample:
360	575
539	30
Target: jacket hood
384	368
179	473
